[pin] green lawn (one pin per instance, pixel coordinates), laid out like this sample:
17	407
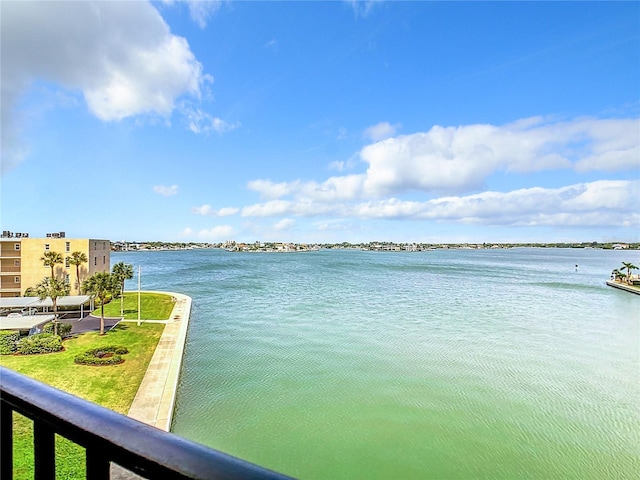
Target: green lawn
113	386
153	306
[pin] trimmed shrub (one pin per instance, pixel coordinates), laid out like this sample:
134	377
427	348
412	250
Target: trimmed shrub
8	341
40	343
64	329
107	355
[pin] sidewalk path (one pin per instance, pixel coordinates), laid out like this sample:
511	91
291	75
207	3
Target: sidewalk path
154	402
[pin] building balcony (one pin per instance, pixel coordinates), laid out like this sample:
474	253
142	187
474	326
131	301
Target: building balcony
5	269
14	288
108	437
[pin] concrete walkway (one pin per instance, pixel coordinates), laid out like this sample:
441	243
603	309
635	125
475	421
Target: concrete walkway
624	286
155	400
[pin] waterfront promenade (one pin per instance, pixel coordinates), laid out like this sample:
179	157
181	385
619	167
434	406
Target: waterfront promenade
155	400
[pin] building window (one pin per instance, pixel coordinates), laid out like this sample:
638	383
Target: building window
95	245
16	263
66	279
104	245
67	246
16	246
104	260
16	279
46	247
95	260
66	262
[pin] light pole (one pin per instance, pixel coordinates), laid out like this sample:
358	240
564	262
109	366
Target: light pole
139	270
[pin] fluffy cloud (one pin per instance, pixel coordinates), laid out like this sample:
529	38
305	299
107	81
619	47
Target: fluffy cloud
207	210
381	131
166	191
120	55
459	160
219	233
199	121
268	189
284	224
202	10
603	203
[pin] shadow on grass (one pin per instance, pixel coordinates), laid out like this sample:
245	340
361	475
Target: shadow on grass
120	326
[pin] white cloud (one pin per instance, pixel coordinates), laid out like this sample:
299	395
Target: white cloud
603	203
220	232
460	159
615	146
226	211
207	210
199	10
199	121
284	224
302	207
166	191
342	165
121	56
269	189
381	131
443	159
362	8
202	10
271	44
339	165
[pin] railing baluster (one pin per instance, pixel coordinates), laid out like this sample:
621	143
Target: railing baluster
6	442
98	466
44	447
107	437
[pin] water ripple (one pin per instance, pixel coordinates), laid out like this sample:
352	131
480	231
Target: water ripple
445	364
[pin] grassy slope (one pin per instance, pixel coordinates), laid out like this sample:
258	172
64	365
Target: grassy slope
153	306
111	386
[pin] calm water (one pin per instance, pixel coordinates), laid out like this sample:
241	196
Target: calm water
444	364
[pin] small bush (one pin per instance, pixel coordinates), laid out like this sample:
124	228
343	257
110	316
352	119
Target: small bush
64	329
107	355
40	343
8	341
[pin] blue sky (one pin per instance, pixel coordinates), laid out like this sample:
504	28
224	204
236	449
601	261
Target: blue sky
322	121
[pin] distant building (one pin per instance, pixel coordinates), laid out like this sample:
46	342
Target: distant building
21	266
620	246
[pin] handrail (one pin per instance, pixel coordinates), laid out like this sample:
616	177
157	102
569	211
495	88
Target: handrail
108	436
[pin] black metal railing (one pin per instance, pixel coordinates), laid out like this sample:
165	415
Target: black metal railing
107	437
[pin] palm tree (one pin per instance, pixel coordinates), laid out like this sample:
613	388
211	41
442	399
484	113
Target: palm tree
51	259
52	288
629	266
77	259
30	292
618	275
122	271
102	285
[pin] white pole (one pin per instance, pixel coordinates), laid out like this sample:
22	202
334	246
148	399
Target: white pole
139	269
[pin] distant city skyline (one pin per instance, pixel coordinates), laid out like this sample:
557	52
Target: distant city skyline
322	122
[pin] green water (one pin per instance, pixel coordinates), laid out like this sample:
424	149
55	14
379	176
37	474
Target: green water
445	364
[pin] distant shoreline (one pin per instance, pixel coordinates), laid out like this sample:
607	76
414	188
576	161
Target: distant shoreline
277	247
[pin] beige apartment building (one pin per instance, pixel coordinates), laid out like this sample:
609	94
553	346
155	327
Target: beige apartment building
21	266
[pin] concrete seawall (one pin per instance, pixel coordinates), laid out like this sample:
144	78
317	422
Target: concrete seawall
155	400
622	286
